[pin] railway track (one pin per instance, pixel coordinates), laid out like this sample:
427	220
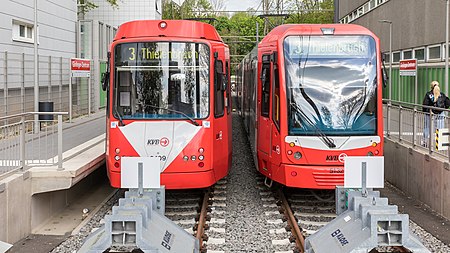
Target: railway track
299	213
200	213
304	212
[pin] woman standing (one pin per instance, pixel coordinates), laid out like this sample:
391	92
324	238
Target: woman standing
428	100
437	99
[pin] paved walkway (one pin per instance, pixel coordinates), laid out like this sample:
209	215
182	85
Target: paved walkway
43	146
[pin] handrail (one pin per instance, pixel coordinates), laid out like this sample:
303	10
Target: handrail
407	123
32	113
19	130
401	103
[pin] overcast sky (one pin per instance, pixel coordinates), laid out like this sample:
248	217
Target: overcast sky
241	5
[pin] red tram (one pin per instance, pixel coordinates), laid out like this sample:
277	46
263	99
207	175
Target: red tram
168	97
310	95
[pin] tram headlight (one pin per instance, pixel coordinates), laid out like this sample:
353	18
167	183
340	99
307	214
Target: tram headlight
289	152
193	158
297	155
117	150
201	150
186	158
200	157
369	153
162	25
117	158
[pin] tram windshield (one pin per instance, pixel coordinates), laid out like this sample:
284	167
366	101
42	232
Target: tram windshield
331	84
161	80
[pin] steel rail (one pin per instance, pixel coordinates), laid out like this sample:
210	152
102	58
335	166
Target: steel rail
202	220
295	230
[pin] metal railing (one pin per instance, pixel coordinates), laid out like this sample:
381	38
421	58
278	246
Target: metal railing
24	143
408	124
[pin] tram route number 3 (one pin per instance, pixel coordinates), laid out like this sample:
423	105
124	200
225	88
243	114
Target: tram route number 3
167	240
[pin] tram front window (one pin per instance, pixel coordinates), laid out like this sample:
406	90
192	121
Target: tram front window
161	80
331	84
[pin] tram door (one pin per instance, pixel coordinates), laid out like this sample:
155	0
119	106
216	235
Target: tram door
275	114
264	122
220	126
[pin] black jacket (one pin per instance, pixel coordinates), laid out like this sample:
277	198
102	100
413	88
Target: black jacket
428	100
442	102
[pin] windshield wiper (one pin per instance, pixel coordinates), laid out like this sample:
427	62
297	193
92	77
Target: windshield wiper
118	116
175	111
325	139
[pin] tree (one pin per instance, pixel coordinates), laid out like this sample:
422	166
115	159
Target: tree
87	5
239	30
242	26
310	11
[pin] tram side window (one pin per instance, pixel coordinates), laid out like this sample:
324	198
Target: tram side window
265	82
276	97
218	89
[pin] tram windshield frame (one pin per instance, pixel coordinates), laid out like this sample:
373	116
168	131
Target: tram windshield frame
161	80
331	85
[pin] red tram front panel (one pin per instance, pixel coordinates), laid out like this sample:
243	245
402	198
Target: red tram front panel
167	100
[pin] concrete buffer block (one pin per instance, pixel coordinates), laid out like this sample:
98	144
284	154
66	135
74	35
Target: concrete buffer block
138	223
364	222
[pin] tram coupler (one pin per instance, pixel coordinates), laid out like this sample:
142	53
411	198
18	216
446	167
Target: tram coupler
268	184
365	221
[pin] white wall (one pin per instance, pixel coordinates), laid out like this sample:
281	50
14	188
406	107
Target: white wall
127	10
56	22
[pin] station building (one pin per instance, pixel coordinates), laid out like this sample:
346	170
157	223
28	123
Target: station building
418	32
62	33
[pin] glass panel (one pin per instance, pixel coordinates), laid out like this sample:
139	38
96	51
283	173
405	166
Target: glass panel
407	55
29	32
419	54
22	31
265	89
434	52
218	89
396	57
161	80
340	102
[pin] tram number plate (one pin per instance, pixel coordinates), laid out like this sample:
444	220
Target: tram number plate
337	170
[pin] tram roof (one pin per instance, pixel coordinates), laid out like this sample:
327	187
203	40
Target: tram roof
314	29
173	28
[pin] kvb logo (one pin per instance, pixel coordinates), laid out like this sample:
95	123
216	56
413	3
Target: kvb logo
342	157
164	142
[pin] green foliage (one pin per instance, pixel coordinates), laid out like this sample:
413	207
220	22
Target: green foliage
239	30
86	5
310	12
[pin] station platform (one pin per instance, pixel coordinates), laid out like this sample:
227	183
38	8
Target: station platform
37	199
34	196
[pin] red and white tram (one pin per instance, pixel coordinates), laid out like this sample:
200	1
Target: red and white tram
168	97
310	95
